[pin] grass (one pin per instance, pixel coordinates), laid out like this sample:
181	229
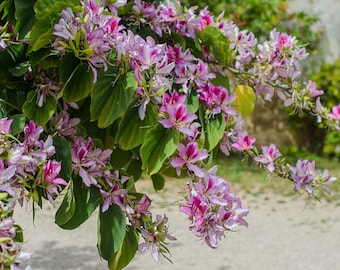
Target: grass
246	177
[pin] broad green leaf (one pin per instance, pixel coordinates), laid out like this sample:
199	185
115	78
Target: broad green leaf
214	130
63	154
101	91
19	235
127	250
117	99
47	13
158	181
159	144
245	100
111	231
40	115
132	129
14	54
120	158
41	33
67	208
134	169
192	102
78	205
20	69
18	123
43	8
25	16
221	80
216	43
76	77
45	59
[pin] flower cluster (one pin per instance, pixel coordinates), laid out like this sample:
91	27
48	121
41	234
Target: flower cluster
88	161
154	232
24	166
10	241
307	178
27	165
212	208
89	34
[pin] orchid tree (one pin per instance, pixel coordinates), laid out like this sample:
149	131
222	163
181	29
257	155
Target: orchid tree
95	94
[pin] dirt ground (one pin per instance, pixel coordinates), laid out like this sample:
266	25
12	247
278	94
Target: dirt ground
284	233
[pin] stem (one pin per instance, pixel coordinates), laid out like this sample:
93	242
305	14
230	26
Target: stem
10	104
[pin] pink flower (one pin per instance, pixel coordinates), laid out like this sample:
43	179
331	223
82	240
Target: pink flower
51	170
178	116
303	175
5	125
216	99
311	88
268	156
188	156
114	196
335	114
243	142
213	209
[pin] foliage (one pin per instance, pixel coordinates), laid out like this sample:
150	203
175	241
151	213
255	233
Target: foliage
94	94
261	16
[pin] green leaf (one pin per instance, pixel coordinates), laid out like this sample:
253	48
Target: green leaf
134	169
19	235
220	80
67	208
132	129
78	205
45	8
40	115
63	154
159	144
25	16
18	123
158	181
20	69
216	43
112	102
127	250
76	77
120	158
101	91
192	102
245	100
214	128
41	33
111	231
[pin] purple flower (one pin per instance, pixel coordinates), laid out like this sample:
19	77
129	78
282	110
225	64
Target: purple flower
268	156
89	161
311	88
114	196
188	156
5	125
213	209
216	99
51	170
178	115
335	114
303	175
243	142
